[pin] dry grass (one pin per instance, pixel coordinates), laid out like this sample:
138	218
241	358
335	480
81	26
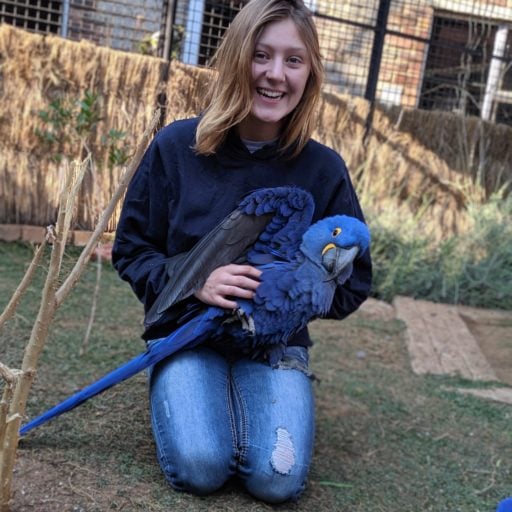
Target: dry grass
466	144
392	171
34	70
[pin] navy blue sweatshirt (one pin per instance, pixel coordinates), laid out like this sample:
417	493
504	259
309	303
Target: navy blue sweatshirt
176	196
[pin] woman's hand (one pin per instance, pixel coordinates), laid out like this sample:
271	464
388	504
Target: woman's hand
228	282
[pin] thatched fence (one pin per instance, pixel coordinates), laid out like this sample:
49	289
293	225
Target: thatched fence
431	160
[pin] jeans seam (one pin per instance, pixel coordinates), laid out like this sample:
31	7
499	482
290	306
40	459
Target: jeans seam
241	435
232	418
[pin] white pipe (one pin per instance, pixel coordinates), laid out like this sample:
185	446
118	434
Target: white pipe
311	5
495	70
64	19
191	44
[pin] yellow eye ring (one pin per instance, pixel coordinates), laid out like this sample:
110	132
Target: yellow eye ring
336	231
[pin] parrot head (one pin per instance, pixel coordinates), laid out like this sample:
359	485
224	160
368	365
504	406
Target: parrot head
334	243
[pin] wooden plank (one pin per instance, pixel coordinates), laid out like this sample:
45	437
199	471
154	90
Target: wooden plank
34	234
475	363
10	232
485	316
376	309
438	326
437	333
80	238
419	344
457	349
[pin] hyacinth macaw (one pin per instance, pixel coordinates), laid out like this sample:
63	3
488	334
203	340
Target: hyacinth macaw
301	264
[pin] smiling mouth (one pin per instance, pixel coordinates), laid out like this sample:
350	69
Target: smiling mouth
268	93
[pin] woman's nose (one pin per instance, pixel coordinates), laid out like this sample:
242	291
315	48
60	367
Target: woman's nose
275	70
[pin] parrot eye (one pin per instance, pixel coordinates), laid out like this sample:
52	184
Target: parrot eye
336	231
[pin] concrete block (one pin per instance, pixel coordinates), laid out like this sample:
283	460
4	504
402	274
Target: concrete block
34	234
10	232
80	238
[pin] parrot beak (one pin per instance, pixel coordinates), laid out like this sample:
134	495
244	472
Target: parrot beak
335	259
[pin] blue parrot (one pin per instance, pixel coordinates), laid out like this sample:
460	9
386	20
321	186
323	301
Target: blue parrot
301	264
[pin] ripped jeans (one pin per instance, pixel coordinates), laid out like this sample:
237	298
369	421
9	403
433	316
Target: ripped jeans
214	418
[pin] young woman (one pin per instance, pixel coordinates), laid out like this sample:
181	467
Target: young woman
216	412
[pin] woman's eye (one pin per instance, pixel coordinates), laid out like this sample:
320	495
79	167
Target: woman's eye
336	231
294	60
259	56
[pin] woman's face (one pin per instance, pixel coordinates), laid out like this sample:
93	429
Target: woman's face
280	70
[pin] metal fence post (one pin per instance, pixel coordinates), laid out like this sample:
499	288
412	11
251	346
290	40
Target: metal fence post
375	60
168	32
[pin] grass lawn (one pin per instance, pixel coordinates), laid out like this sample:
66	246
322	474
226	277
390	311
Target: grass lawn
387	440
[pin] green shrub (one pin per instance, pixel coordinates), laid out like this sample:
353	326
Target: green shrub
473	269
69	124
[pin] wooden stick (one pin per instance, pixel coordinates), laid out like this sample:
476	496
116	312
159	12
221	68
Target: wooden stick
13	303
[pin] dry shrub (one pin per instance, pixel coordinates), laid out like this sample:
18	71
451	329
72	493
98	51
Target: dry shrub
467	144
392	171
35	70
406	164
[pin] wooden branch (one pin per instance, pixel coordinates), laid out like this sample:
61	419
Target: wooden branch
7	374
78	172
10	377
94	305
5	404
18	400
51	299
85	255
12	305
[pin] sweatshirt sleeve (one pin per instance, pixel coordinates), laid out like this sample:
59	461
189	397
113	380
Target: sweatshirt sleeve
139	252
356	289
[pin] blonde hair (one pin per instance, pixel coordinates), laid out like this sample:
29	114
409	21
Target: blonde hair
229	98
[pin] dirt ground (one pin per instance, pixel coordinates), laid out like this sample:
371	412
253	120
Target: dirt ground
493	331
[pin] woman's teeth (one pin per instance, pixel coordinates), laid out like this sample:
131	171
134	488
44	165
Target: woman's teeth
274	95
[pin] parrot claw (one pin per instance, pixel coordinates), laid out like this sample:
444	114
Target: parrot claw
246	321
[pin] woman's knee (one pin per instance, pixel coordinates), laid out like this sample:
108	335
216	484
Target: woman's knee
277	472
198	475
276	488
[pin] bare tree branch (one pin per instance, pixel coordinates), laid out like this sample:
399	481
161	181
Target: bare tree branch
12	305
16	393
7	374
94	305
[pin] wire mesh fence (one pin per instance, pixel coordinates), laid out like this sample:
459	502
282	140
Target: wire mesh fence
36	15
453	55
123	25
436	54
130	25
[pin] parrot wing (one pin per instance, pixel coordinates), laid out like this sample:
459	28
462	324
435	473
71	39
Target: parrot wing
271	220
221	246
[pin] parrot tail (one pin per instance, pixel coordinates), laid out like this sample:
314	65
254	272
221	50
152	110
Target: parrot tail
188	335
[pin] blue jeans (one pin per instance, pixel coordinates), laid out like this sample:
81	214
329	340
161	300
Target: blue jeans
214	418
